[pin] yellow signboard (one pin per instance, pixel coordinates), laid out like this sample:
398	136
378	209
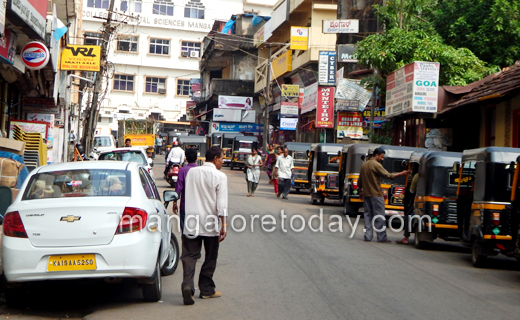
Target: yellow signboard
299	38
282	64
81	57
290	90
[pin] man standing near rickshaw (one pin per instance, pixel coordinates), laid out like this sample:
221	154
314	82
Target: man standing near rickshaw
369	184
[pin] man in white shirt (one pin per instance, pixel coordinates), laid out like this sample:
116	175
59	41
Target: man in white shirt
283	169
176	155
206	194
72	137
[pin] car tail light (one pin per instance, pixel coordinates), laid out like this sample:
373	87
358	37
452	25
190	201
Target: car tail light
13	225
133	219
496	218
435	210
354	184
322	180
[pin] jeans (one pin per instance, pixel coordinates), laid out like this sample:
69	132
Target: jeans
251	187
190	251
284	186
375	206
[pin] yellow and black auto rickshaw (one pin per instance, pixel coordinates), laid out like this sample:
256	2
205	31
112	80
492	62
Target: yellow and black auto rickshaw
486	216
299	151
435	205
226	145
242	146
323	171
196	142
352	157
395	160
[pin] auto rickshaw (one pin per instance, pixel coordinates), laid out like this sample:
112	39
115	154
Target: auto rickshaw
352	157
226	145
242	146
395	160
299	151
214	139
435	197
485	214
324	171
197	142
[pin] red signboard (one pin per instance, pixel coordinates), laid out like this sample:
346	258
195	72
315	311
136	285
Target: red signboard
350	119
325	108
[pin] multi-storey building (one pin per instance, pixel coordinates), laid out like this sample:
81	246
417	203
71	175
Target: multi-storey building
154	52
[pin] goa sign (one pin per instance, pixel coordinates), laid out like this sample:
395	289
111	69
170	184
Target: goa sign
35	55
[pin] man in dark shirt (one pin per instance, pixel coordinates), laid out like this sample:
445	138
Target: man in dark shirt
369	184
191	157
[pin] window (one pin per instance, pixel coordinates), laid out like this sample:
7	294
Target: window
93	38
101	4
159	46
131	5
123	82
155	85
144	183
183	87
127	43
194	9
190	49
163	7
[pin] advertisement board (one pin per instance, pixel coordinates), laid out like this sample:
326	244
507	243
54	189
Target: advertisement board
8	46
288	124
27	11
290	90
235	127
327	68
81	57
346	53
233	115
235	102
413	88
29	126
310	98
282	64
299	38
289	109
341	26
347	105
325	108
350	124
348	90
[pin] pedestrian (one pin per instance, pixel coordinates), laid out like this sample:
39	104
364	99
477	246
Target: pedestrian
278	152
191	158
253	164
408	209
158	144
269	164
206	194
283	170
369	185
72	137
128	143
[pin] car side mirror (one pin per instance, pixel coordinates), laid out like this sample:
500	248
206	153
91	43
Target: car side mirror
150	162
170	195
456	167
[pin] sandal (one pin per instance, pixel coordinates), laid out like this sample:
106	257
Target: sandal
402	241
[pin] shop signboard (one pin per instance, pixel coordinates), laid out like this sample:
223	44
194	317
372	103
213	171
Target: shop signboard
8	46
346	53
29	14
341	26
347	105
282	64
299	38
29	126
349	90
81	57
235	102
289	109
235	127
325	108
350	124
413	88
288	124
327	68
35	55
40	105
290	90
310	98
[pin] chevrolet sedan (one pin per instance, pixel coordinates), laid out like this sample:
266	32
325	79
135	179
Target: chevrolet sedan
92	219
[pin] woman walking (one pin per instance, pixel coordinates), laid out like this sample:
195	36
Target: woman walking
268	163
279	152
253	164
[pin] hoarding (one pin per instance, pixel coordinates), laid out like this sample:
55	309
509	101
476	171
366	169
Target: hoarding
341	26
327	68
413	88
299	38
350	124
325	108
235	127
81	57
349	90
235	102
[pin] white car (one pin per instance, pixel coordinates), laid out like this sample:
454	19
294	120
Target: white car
88	219
132	154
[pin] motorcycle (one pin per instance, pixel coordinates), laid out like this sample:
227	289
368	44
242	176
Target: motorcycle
173	174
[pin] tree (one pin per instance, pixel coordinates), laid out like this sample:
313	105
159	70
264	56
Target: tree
489	28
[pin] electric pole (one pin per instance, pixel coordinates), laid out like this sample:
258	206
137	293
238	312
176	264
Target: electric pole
267	100
93	111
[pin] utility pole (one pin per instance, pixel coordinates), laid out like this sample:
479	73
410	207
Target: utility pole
267	100
372	107
95	105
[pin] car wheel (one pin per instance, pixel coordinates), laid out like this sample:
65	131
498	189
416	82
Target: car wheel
416	242
477	259
173	257
152	292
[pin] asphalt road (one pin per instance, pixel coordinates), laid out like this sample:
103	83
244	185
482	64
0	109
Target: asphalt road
304	275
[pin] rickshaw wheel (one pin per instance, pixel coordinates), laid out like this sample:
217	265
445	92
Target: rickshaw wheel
314	201
477	260
418	243
322	200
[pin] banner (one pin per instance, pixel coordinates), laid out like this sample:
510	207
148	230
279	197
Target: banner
290	90
341	26
350	124
349	90
299	38
235	102
195	89
288	123
310	98
327	68
289	109
300	98
8	45
81	57
325	108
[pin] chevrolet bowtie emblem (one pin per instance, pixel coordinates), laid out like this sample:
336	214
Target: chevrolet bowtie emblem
70	218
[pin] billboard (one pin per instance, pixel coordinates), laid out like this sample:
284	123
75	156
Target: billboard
413	88
325	108
348	90
327	68
81	57
350	124
235	102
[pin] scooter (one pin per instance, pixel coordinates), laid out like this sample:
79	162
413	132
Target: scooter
173	174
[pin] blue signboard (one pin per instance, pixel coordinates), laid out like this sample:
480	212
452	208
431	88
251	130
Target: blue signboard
327	68
236	127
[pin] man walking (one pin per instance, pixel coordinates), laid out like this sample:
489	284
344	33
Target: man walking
283	169
369	184
191	157
206	194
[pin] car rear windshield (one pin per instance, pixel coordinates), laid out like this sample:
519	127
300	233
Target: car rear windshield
78	183
125	155
102	142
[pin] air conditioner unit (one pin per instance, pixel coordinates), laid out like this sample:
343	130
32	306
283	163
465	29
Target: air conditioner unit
108	112
161	91
194	54
184	54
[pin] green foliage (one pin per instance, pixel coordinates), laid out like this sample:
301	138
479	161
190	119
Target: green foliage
138	127
489	28
384	134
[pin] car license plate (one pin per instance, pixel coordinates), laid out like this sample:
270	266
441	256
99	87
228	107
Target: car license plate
72	262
